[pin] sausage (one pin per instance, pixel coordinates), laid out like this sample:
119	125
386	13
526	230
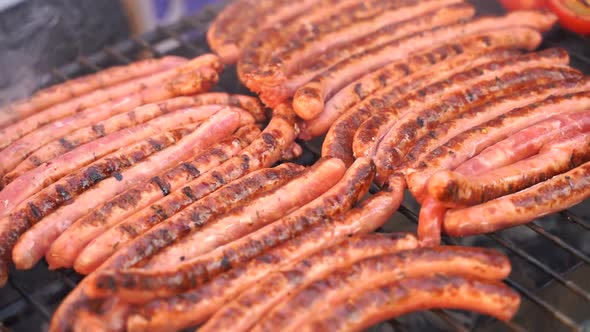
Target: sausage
433	57
212	130
79	86
118	212
27	252
29	183
196	75
263	152
430	220
132	118
459	90
243	312
398	48
195	306
338	199
308	101
73	241
482	113
473	141
455	190
524	143
274	53
415	124
240	20
364	309
325	292
556	194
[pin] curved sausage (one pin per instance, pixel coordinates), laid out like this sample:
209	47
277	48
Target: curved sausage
73	241
195	306
400	48
263	152
434	57
308	100
482	113
455	190
556	194
132	118
27	252
29	183
414	125
123	211
471	142
362	310
243	312
204	70
79	86
218	126
323	293
430	220
339	198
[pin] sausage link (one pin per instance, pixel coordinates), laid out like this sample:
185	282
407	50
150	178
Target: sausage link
29	183
558	193
430	220
308	101
132	118
120	210
430	59
323	292
482	113
415	124
195	306
77	87
73	241
399	48
196	75
473	141
263	152
242	313
361	310
27	251
455	190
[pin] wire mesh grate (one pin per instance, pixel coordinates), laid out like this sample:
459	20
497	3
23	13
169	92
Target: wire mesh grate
551	262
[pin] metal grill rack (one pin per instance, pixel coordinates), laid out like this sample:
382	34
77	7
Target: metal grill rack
550	257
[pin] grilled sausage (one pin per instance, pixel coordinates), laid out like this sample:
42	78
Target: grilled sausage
130	119
195	306
362	310
433	57
455	190
44	232
74	239
308	101
40	177
79	86
328	291
120	210
558	193
203	70
482	113
399	48
339	198
524	144
430	220
471	142
415	124
241	20
242	313
263	152
27	252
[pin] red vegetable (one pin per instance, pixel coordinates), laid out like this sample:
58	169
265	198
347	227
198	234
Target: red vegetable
573	14
522	4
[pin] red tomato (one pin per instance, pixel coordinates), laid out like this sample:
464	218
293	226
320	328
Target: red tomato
522	4
573	14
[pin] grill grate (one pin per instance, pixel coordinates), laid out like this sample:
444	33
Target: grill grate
551	257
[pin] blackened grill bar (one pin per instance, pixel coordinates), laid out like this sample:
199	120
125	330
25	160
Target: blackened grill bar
31	296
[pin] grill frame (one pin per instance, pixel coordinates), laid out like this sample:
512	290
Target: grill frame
34	295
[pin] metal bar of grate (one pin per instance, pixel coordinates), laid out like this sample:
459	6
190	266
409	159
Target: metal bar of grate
559	242
575	219
42	309
116	55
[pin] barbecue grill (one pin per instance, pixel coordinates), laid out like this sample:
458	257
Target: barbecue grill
550	257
